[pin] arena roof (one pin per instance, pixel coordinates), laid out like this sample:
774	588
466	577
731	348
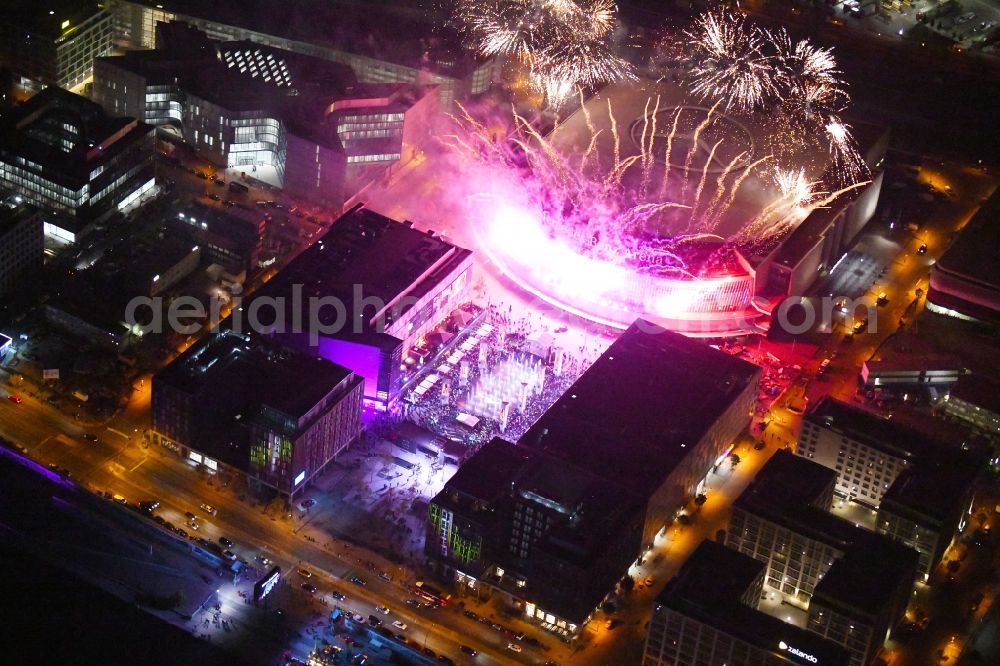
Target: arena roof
641	407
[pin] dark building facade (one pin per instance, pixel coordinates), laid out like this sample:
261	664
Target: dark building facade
256	408
63	153
21	244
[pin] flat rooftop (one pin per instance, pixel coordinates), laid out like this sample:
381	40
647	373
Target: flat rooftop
975	254
490	472
12	216
867	578
934	489
369	256
238	375
634	415
978	390
400	33
699	591
870	429
790	479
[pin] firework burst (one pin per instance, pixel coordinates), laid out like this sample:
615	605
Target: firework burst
564	44
730	63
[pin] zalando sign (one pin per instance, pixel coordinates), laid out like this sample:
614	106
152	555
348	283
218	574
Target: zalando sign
782	645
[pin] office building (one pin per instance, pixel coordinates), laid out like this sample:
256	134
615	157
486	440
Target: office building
244	105
964	282
863	596
867	451
21	244
381	42
246	406
54	43
783	520
976	400
553	523
232	238
362	295
707	614
655	413
95	305
62	153
928	506
552	539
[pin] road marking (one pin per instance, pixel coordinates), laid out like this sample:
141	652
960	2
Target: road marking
139	464
118	432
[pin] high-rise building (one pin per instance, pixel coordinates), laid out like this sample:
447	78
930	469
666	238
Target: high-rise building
54	43
21	244
63	153
244	405
707	614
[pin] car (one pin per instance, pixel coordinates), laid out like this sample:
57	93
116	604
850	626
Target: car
468	650
384	576
514	647
119	498
882	298
209	509
218	182
264	561
374	620
229	555
161	520
414	603
201	174
358	580
305	573
824	365
922	249
15	398
190	516
228	543
339	596
859	326
469	614
444	659
193	525
429	652
148	506
90	438
382	609
214	197
184	535
307	503
399	625
308	587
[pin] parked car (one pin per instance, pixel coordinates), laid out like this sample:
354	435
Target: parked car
226	542
309	587
399	625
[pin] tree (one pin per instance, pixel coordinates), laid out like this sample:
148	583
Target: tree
628	583
700	500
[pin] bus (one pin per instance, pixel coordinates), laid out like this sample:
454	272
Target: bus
430	594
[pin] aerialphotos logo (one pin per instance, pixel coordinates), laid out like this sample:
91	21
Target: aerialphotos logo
782	645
